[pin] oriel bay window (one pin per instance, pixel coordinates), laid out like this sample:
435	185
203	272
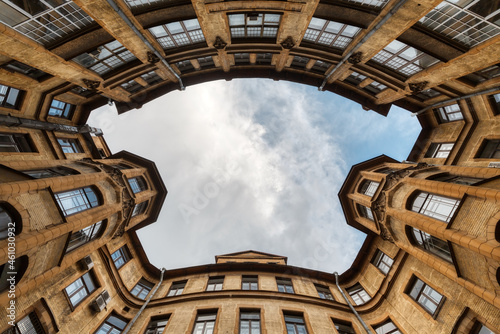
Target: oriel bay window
137	184
435	206
139	208
84	236
425	296
365	212
80	289
369	187
77	200
258	25
430	243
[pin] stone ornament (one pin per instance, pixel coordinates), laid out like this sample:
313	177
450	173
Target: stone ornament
288	43
219	43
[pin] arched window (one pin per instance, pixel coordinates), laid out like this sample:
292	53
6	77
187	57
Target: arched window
369	187
19	266
435	206
137	184
77	200
86	235
430	243
10	221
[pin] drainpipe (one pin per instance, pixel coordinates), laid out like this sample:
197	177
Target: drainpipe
363	40
131	323
491	90
138	33
350	305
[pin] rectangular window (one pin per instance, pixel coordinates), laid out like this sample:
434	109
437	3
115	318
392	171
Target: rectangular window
490	149
365	212
425	296
121	256
479	328
76	200
176	288
435	206
439	150
137	184
249	322
457	179
70	145
139	208
177	34
30	324
387	327
254	25
50	172
343	327
330	33
250	283
295	324
382	262
284	285
61	109
323	292
10	97
80	238
142	288
215	283
495	103
157	325
15	66
358	294
369	188
449	113
15	142
112	325
80	289
205	323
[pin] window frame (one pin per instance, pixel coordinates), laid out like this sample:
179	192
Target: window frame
55	171
380	259
137	184
111	324
215	283
421	293
340	40
324	292
286	284
175	287
246	316
176	39
388	321
21	142
95	231
9	219
82	196
484	145
439	150
33	320
17	95
83	287
263	26
294	319
447	114
70	145
432	205
124	253
365	212
157	324
358	292
369	187
205	322
61	109
142	286
250	280
494	100
140	208
348	328
428	246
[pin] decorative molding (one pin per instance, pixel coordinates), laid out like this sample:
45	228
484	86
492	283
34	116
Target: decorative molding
219	43
417	87
288	43
152	58
355	58
92	85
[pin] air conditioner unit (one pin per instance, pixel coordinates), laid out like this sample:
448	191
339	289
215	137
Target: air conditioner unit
98	304
86	263
495	164
105	295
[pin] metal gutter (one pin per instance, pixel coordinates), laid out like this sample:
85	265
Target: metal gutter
350	305
363	40
144	40
491	90
131	323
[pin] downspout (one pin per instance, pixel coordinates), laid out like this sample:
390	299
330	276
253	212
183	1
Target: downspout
491	90
363	40
138	33
350	305
131	323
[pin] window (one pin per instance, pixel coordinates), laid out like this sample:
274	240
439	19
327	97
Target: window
371	3
435	206
468	22
151	78
137	184
112	325
132	86
81	288
295	324
432	244
44	22
494	101
77	200
9	221
105	58
479	328
382	261
330	33
439	150
343	327
70	145
284	285
121	256
141	3
358	294
386	170
9	97
250	283
250	322
369	188
139	208
490	149
215	283
15	142
375	87
323	292
30	324
176	288
205	323
404	59
80	238
425	296
142	288
365	212
450	178
387	327
15	66
19	266
241	58
50	172
257	25
157	325
449	113
61	109
176	34
121	166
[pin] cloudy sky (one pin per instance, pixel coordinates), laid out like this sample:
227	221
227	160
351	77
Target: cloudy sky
255	164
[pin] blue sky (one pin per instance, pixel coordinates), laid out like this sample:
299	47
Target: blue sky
255	164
